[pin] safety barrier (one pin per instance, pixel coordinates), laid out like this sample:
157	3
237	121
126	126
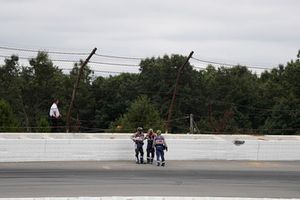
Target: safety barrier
19	147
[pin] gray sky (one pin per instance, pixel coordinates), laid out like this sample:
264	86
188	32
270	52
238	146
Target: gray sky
252	32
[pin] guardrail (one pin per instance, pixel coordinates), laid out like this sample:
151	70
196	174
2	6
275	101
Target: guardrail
20	147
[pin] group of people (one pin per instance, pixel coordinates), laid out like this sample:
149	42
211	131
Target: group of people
156	143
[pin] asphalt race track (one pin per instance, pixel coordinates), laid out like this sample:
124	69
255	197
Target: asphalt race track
125	178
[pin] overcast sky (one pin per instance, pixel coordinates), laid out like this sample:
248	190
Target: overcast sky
253	32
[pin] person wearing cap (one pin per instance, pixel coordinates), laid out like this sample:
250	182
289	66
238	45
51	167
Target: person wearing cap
160	145
150	148
138	138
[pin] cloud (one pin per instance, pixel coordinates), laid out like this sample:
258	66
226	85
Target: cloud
228	29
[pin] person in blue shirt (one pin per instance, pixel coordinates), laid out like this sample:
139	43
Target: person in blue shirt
160	145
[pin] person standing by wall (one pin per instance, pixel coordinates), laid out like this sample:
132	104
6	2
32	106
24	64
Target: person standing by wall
138	138
150	148
160	145
54	115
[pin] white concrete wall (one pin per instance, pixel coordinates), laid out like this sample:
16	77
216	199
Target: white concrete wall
18	147
143	198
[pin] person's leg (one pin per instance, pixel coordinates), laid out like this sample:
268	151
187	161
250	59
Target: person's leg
53	124
142	155
152	155
148	155
137	156
158	156
163	158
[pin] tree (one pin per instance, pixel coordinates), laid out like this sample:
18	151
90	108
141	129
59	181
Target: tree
83	112
141	113
41	83
231	94
157	81
43	125
280	94
7	120
10	85
290	78
284	118
113	95
221	99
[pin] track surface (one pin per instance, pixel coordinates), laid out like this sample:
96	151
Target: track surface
125	178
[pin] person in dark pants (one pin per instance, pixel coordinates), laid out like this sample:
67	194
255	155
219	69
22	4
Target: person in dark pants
150	148
160	145
138	138
54	115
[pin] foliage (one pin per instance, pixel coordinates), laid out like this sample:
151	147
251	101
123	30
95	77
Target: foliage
284	115
7	122
157	81
43	125
84	103
141	113
222	100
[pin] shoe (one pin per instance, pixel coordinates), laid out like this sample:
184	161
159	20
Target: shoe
158	164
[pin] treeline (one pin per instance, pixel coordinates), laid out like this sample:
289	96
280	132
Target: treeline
222	100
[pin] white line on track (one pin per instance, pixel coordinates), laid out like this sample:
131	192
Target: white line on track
145	198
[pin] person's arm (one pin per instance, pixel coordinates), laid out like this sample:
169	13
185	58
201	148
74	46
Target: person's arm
133	137
165	144
52	111
153	143
58	114
55	111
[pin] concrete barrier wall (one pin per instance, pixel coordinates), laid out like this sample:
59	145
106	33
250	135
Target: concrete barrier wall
19	147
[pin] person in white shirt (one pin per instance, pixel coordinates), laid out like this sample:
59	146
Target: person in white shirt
54	115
